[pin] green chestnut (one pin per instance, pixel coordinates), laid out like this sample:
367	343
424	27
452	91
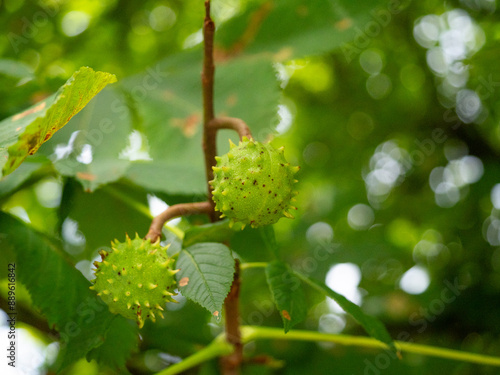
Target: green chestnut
254	184
135	279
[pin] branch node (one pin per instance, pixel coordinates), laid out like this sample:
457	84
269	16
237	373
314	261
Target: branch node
232	123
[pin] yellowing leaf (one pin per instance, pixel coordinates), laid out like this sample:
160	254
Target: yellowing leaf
22	134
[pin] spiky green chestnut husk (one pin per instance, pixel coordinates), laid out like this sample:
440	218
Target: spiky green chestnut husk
135	279
253	184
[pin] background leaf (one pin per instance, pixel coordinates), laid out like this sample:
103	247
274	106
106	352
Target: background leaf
120	216
287	292
287	29
167	99
22	134
90	150
120	340
206	274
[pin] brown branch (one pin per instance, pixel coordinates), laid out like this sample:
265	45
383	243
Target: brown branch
181	209
232	362
231	123
207	81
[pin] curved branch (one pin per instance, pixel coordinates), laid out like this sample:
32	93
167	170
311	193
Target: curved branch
232	123
181	209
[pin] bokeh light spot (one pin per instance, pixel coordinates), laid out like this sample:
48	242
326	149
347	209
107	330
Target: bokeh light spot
75	22
378	86
415	281
319	233
371	61
344	278
360	217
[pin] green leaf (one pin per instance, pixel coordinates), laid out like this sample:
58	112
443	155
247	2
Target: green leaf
62	294
206	274
22	134
212	232
374	327
287	29
287	292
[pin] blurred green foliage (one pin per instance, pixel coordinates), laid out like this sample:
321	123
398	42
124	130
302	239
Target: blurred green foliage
390	107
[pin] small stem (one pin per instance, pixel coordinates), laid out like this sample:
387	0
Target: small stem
232	123
232	362
207	82
182	209
250	333
245	266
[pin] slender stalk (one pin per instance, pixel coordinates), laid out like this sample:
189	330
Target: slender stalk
181	209
207	82
231	123
250	333
245	266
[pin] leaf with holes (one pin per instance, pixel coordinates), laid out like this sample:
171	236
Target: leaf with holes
206	274
287	292
22	134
